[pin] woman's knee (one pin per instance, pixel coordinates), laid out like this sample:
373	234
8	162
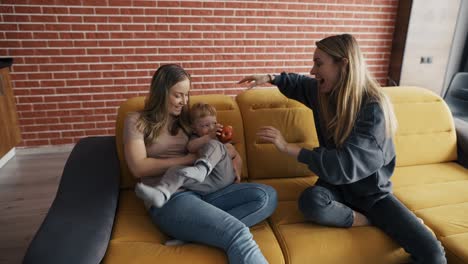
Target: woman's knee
314	198
269	197
313	202
263	201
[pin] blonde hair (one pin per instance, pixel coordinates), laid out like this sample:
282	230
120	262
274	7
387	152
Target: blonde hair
200	110
155	116
341	106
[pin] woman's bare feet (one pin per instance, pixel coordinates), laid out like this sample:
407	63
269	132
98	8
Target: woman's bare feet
360	219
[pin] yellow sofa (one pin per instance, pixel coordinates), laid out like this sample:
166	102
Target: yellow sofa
428	180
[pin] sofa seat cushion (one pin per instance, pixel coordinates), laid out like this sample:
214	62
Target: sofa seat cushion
135	239
304	242
428	174
446	220
456	249
437	194
425	186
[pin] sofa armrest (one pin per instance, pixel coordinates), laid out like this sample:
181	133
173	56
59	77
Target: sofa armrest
462	141
78	226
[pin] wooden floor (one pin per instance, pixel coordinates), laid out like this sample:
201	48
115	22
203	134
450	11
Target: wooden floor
28	184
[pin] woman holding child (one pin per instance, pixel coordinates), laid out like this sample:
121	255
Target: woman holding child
155	140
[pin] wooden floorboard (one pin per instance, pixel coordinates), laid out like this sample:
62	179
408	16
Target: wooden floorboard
28	184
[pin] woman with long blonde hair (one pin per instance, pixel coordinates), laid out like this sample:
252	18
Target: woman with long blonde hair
356	158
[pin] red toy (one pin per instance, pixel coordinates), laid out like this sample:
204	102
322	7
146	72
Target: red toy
226	134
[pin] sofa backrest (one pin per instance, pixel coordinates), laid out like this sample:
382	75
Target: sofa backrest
426	132
425	135
270	108
228	114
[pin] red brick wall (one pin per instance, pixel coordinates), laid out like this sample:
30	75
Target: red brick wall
75	61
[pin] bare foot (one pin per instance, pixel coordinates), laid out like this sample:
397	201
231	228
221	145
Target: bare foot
360	219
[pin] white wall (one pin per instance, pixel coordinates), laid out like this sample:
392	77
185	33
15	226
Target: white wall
430	34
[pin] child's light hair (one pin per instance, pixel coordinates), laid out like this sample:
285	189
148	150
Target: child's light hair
200	110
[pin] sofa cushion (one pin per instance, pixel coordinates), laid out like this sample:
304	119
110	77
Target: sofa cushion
437	194
446	220
135	239
417	197
428	174
270	108
426	133
304	242
426	186
456	249
228	114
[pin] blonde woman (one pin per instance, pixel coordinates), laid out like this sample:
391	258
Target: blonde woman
155	140
356	158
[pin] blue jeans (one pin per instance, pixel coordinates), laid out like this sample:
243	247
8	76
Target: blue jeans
327	207
220	219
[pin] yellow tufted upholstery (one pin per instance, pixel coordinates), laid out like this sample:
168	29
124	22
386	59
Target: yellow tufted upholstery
426	179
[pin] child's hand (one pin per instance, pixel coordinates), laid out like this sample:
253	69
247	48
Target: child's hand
215	131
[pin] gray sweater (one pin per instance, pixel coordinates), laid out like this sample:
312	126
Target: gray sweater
361	169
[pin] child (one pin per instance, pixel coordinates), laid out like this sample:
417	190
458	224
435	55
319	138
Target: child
218	166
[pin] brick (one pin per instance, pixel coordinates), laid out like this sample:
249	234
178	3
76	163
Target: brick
148	20
43	19
120	19
16	18
55	98
37	143
83	27
81	82
95	19
75	133
54	10
48	135
74	105
67	90
108	27
145	3
47	120
72	35
97	35
18	35
26	136
60	141
132	11
45	35
59	27
42	91
81	10
94	118
31	27
69	19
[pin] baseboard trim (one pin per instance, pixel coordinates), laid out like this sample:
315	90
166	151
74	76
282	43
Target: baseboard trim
45	149
8	156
